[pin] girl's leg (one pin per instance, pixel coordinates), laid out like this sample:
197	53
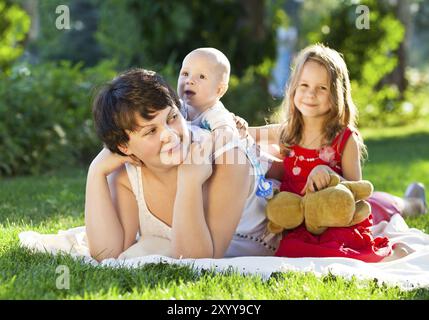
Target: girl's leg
385	205
415	200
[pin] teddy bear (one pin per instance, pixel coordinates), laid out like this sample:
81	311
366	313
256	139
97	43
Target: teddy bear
341	204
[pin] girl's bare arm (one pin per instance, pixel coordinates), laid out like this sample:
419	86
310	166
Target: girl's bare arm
268	134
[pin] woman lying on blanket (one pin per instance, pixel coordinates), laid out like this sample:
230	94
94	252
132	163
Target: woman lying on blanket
158	179
320	138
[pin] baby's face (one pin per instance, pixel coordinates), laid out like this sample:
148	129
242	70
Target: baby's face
200	81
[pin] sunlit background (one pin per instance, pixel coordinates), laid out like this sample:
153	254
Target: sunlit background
54	53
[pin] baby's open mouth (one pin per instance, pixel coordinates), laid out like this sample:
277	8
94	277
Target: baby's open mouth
189	93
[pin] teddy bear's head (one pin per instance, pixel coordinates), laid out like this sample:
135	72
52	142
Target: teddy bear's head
341	204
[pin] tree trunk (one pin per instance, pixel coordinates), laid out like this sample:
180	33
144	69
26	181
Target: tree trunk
32	9
254	17
397	76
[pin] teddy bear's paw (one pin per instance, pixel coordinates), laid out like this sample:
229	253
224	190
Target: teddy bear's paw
274	228
334	180
361	189
285	210
363	210
316	230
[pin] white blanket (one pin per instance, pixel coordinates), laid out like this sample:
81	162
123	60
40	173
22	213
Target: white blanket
408	272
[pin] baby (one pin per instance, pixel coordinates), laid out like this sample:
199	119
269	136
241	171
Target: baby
203	80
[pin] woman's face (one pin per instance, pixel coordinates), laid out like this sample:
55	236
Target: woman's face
162	142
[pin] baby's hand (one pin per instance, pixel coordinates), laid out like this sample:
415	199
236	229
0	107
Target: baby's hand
241	125
318	179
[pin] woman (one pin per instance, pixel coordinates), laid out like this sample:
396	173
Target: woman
148	180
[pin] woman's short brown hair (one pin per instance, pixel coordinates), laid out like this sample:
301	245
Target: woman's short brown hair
115	106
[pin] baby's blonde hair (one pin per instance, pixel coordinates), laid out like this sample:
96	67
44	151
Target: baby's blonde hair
343	111
220	59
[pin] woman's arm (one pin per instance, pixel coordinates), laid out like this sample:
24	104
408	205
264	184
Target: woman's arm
203	226
108	232
190	234
228	190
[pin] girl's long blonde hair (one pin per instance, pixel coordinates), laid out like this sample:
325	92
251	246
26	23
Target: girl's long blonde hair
343	111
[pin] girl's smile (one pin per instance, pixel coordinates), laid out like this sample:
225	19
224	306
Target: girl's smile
310	105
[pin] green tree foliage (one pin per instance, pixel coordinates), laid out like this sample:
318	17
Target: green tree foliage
158	35
365	50
76	44
152	33
14	25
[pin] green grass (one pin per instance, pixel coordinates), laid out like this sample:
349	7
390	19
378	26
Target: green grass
55	201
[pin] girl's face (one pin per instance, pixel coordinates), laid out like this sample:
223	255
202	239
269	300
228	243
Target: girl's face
312	95
162	142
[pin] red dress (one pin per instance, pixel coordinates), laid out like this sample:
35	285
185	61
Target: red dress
350	242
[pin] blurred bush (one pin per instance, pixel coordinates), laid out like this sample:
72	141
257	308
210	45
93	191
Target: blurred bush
45	112
392	111
46	116
248	97
159	34
151	33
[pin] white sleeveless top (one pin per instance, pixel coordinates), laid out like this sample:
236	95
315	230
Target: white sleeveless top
250	237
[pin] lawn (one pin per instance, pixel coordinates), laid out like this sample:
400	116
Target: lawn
55	201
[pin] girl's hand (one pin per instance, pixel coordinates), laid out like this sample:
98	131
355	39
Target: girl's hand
106	161
197	167
318	179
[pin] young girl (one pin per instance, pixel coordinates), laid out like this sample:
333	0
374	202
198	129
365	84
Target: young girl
319	138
